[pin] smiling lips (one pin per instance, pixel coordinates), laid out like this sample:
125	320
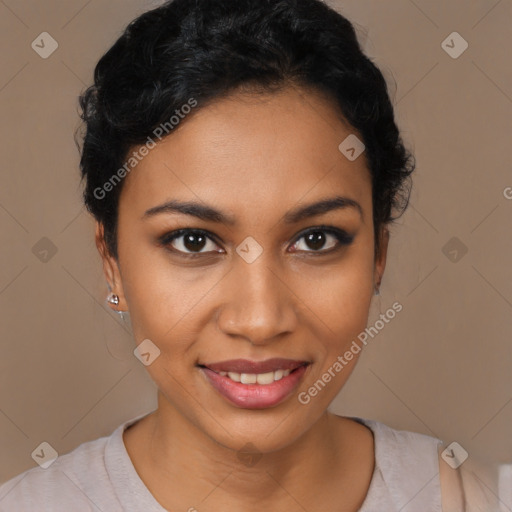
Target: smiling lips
253	384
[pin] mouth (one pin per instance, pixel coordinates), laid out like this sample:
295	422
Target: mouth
255	372
255	385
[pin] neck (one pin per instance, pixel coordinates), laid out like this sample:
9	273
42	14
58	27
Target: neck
186	464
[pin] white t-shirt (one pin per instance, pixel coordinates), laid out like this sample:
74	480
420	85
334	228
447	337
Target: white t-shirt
98	476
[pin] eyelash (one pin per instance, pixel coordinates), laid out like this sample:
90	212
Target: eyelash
342	237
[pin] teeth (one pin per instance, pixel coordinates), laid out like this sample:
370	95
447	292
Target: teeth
265	378
278	374
248	378
253	378
234	376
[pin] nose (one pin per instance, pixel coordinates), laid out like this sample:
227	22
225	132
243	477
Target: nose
259	304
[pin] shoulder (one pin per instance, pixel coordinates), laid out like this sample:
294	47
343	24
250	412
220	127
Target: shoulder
415	471
77	478
406	475
471	486
403	450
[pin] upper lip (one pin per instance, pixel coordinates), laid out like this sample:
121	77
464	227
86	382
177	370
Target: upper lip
248	366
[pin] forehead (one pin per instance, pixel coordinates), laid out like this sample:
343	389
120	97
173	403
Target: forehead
250	154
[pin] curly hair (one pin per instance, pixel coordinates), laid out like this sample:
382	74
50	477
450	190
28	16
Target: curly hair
205	49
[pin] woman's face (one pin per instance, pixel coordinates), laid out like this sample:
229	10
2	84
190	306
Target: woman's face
263	279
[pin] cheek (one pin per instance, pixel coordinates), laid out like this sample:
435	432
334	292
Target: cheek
165	299
339	295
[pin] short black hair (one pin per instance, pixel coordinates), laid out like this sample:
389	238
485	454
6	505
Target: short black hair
205	49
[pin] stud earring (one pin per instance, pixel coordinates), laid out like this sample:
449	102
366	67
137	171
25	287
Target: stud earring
113	299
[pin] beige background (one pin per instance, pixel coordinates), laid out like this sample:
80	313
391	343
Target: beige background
441	367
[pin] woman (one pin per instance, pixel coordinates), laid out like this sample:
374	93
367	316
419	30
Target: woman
243	166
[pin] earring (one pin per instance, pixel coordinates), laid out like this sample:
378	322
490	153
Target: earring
377	290
113	299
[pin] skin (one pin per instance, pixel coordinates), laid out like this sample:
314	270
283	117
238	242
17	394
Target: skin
254	157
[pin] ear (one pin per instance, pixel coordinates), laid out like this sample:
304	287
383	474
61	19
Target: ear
380	260
110	269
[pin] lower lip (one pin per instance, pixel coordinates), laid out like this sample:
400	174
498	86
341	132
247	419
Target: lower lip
255	396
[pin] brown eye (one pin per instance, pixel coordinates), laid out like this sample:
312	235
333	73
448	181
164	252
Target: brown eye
189	241
316	240
322	240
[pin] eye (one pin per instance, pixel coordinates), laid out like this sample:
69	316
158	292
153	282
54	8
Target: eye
322	239
189	241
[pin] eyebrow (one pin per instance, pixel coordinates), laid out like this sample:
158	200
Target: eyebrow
208	213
